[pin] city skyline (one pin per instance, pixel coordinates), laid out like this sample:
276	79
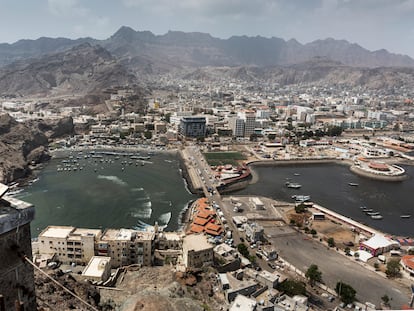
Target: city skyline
373	24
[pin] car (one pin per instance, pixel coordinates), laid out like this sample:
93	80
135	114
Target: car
257	268
271	265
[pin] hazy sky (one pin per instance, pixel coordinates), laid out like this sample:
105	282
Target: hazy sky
374	24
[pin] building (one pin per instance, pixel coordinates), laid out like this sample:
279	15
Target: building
254	232
98	269
16	275
378	244
69	244
127	246
243	303
249	118
407	263
257	203
193	127
237	126
197	251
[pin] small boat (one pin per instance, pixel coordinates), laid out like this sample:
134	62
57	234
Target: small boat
377	217
406	216
353	184
367	210
363	207
301	198
293	185
296	174
372	213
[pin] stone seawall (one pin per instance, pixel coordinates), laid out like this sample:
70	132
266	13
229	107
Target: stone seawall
363	173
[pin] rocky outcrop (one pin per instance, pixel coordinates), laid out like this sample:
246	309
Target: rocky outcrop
22	144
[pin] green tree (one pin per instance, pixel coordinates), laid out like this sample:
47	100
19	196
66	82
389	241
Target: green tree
393	268
385	300
313	232
334	130
313	274
148	135
300	208
346	292
243	250
292	287
347	251
331	242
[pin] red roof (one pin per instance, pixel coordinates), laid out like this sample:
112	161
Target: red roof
196	228
408	260
200	221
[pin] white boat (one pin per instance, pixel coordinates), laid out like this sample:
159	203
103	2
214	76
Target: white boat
293	185
296	174
377	217
373	213
406	216
301	198
353	184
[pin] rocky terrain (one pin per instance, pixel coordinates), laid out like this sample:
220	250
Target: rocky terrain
318	71
81	70
23	144
144	50
145	289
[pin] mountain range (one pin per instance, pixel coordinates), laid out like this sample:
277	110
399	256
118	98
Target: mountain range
48	66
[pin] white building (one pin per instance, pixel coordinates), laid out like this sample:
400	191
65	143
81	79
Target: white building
197	251
98	269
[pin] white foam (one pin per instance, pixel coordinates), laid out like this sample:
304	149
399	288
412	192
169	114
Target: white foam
114	179
137	189
165	218
142	213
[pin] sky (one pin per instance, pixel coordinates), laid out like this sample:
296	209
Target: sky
373	24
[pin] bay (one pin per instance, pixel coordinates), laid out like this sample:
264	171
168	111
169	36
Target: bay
108	192
327	184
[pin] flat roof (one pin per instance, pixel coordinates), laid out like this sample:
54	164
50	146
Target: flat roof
56	232
196	242
96	266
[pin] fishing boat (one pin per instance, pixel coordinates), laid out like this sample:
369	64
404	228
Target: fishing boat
301	198
405	216
367	210
372	213
293	185
353	184
377	217
296	174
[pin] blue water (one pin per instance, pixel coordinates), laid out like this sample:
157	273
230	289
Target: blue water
327	184
109	193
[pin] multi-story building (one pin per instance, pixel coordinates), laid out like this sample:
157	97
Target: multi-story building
249	118
16	275
127	246
69	244
237	126
193	126
197	251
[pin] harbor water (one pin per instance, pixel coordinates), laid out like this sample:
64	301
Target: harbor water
108	191
329	186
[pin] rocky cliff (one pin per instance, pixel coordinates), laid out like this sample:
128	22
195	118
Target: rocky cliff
24	143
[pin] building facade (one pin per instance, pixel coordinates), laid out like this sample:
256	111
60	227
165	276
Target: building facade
193	127
197	251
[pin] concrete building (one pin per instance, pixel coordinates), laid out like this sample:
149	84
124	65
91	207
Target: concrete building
249	118
127	246
193	127
257	203
69	244
237	126
197	251
254	232
16	275
98	269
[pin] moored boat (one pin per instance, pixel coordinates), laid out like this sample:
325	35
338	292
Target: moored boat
293	185
377	217
353	184
406	216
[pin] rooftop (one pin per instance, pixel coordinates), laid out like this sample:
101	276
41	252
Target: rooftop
14	213
56	232
96	266
196	242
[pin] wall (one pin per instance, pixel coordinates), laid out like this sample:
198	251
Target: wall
16	276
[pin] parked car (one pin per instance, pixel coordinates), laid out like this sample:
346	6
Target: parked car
271	265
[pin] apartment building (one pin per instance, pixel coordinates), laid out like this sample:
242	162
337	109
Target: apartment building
127	246
197	251
69	244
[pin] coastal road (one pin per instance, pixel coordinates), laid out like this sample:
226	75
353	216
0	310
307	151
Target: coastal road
301	251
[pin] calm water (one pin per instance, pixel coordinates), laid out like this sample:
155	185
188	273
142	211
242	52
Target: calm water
103	195
327	184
